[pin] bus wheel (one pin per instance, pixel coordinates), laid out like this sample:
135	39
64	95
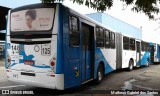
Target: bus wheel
147	63
130	68
99	74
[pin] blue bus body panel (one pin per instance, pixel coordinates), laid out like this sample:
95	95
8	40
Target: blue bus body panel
98	58
144	58
88	63
71	55
59	66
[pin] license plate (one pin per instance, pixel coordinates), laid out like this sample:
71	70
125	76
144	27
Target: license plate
28	62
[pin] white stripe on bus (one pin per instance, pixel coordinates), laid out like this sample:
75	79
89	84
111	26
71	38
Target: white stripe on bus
39	39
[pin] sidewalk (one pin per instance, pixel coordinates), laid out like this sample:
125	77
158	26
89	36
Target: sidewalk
2	74
1	62
2	70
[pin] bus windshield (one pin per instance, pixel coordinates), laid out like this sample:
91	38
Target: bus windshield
38	19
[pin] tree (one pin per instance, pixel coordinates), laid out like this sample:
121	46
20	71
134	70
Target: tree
149	7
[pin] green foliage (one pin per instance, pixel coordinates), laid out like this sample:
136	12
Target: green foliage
149	7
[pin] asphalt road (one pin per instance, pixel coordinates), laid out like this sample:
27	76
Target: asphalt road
145	79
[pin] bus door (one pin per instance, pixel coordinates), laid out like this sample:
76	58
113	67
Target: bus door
87	52
138	53
152	54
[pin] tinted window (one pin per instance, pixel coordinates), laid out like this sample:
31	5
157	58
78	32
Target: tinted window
125	39
74	31
101	32
142	44
107	34
138	45
125	43
112	40
148	47
132	44
107	39
97	32
145	46
99	37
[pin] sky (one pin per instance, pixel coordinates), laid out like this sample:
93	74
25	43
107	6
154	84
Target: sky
17	3
139	20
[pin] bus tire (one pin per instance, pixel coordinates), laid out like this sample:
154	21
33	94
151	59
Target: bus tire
100	74
130	67
147	63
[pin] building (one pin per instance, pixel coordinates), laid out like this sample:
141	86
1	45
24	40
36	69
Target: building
116	24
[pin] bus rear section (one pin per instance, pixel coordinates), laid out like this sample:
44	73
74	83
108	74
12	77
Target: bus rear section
31	46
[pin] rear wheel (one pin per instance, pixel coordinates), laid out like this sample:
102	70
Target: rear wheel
99	74
130	68
147	63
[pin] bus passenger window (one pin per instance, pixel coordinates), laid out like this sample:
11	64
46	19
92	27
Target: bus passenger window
148	47
132	44
74	31
107	34
142	46
97	32
107	42
145	46
101	32
125	43
99	37
113	40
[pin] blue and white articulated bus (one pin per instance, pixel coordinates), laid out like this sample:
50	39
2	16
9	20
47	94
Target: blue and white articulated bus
155	53
53	46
